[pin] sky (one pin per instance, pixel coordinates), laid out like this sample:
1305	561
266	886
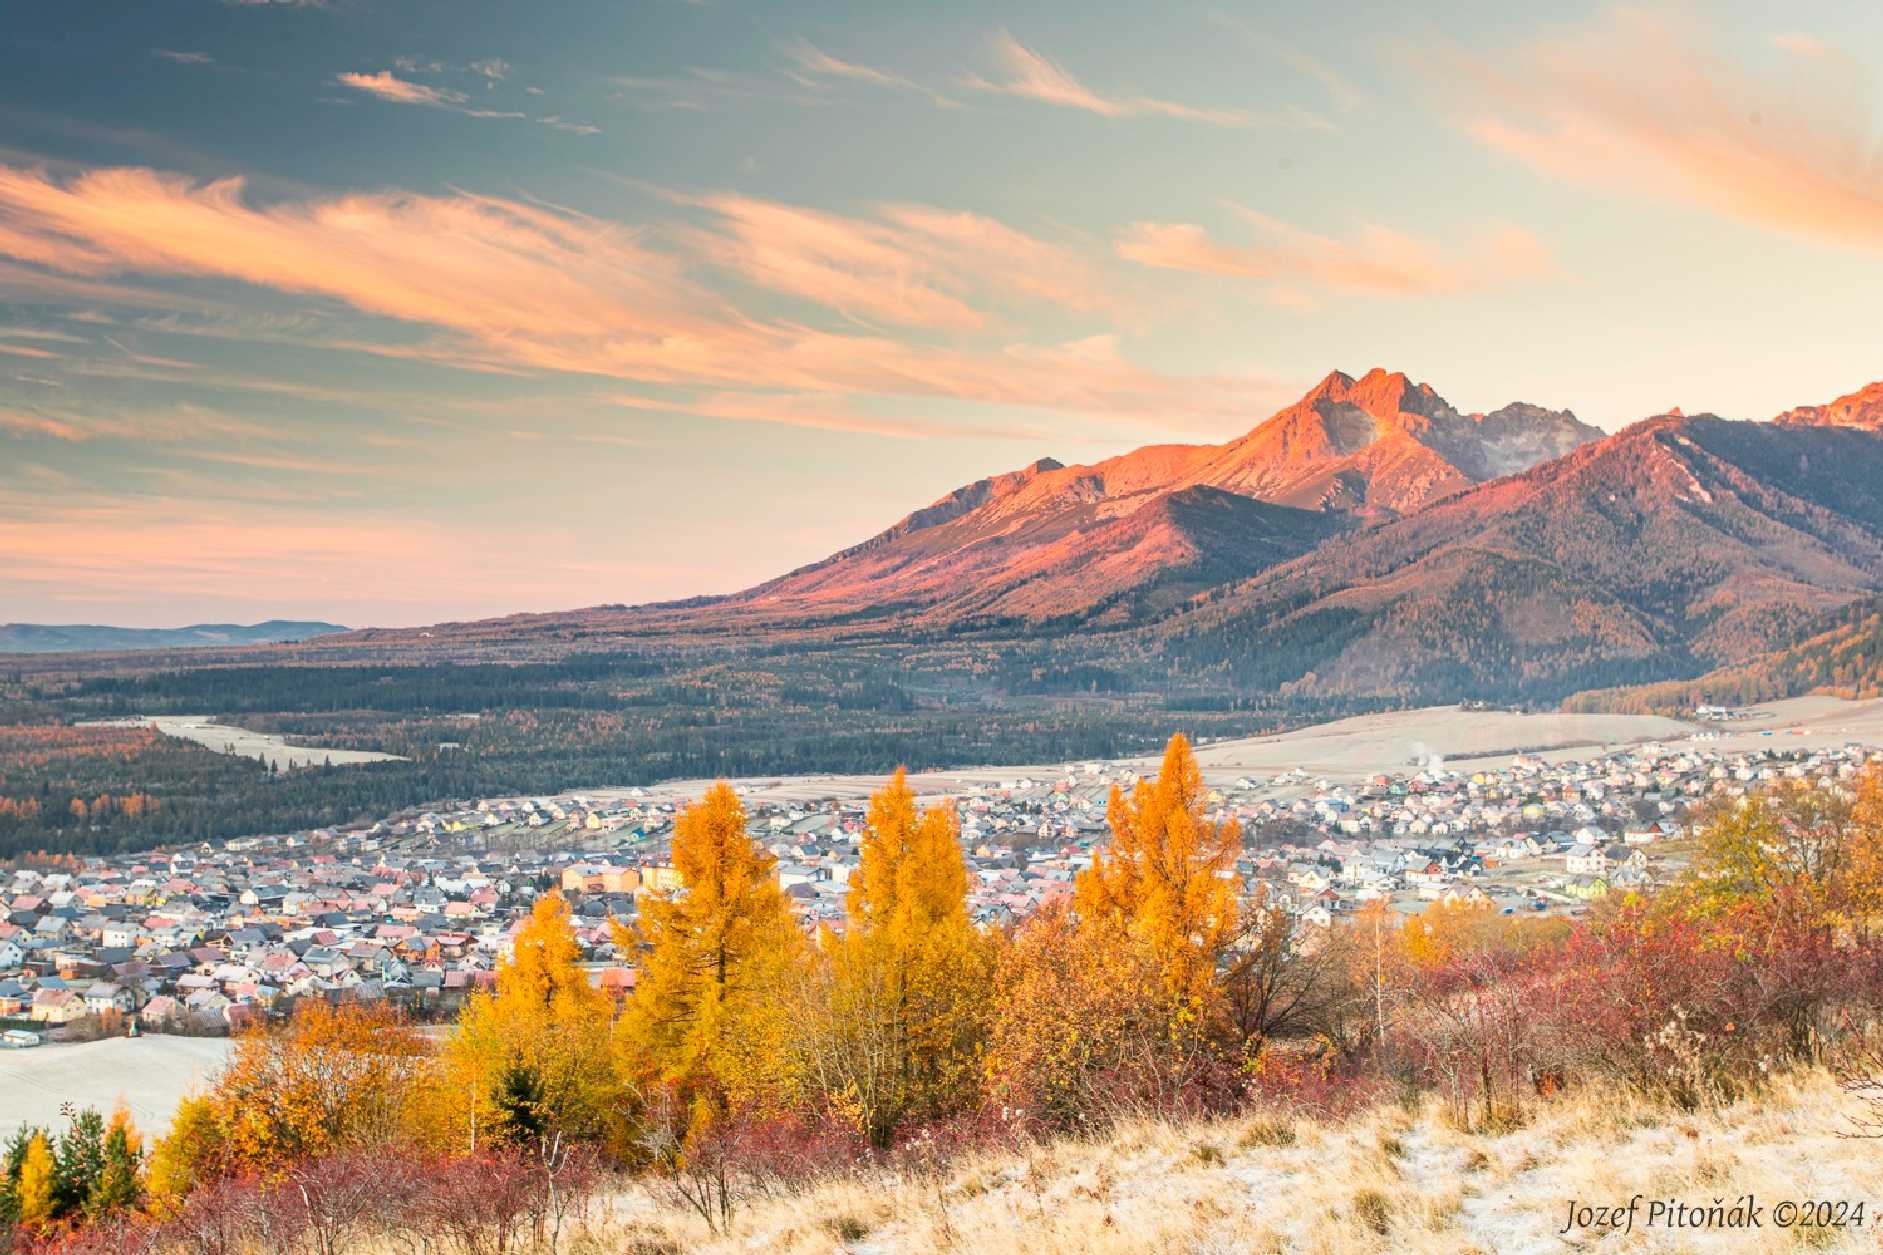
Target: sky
393	312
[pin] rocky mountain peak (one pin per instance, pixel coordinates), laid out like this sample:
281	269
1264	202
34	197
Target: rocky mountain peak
1862	408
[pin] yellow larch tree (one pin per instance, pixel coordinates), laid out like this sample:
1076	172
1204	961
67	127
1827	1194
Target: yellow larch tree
903	1014
189	1154
1168	876
711	1014
332	1077
532	1057
33	1192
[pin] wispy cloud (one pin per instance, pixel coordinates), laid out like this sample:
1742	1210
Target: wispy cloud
811	66
388	86
1032	76
1341	92
1647	102
563	124
914	266
699	88
550	290
1377	260
177	425
183	58
16	424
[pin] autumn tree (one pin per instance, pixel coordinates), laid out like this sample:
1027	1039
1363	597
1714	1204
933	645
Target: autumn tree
1081	1030
710	1013
332	1077
1789	847
899	1014
186	1156
532	1057
33	1192
1168	877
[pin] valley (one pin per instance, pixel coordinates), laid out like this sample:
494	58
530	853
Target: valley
1365	550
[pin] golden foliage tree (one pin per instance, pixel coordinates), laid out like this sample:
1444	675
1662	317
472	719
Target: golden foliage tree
1793	849
333	1077
189	1154
34	1191
1081	1026
1168	876
899	1020
710	1013
531	1058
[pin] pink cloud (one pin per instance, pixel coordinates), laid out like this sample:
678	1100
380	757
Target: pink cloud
916	266
1032	76
1648	103
35	425
388	86
541	288
1377	260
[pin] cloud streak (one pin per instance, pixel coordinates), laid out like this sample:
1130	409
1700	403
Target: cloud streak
1378	260
1645	102
17	424
390	87
1030	75
812	67
548	289
912	266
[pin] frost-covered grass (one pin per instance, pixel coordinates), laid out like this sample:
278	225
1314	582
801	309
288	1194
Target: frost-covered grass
1389	1179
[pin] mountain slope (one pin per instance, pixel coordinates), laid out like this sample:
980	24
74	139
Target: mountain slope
1842	655
1677	544
46	638
1132	535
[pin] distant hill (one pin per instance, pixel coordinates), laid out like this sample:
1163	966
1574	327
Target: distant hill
63	638
1841	655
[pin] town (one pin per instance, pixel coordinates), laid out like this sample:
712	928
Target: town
418	908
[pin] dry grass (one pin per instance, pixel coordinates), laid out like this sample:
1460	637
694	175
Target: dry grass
1387	1180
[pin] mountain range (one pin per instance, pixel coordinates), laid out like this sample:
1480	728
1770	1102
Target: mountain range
61	638
1135	536
1369	541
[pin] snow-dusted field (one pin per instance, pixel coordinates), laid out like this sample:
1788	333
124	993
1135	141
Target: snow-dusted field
149	1073
261	746
1386	1181
1348	750
1344	750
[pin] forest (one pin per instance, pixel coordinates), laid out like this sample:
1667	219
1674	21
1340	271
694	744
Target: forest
1840	654
493	728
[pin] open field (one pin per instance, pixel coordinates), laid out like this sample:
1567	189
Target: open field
1349	750
262	746
150	1073
1344	750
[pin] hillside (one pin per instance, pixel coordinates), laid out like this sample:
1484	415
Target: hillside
1675	545
46	638
1841	655
1381	1181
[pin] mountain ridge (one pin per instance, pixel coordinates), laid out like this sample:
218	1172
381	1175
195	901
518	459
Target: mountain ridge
1371	446
58	638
